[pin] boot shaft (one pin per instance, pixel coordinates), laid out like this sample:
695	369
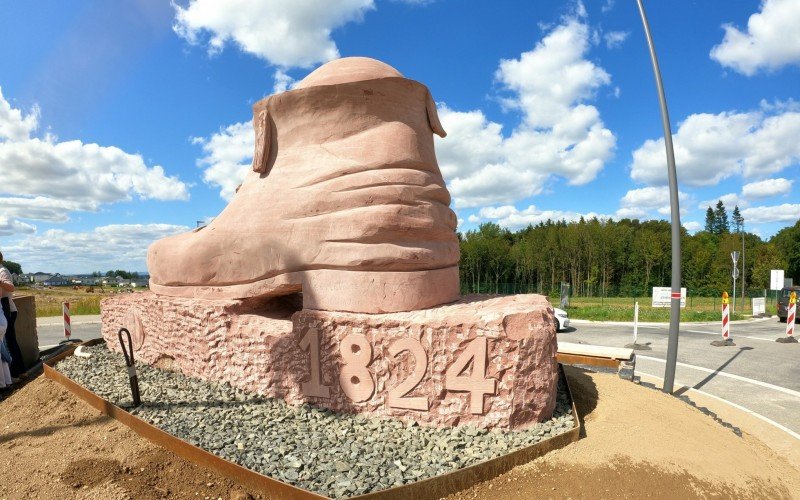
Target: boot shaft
348	127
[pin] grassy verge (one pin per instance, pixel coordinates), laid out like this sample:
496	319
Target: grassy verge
621	309
81	306
81	302
616	313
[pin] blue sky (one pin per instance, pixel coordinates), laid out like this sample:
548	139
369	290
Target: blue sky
124	122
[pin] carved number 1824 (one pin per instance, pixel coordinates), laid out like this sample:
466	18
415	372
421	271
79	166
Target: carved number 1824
357	383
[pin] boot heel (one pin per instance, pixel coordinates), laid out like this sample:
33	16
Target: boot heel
379	292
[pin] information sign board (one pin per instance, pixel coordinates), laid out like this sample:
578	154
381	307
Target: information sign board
661	296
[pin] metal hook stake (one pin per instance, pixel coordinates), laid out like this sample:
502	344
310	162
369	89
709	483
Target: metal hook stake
129	362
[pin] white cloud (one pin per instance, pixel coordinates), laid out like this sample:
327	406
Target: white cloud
45	179
787	212
730	200
710	148
767	188
771	40
607	6
13	125
44	208
615	39
692	226
286	34
118	246
559	134
510	217
283	81
9	226
229	155
638	203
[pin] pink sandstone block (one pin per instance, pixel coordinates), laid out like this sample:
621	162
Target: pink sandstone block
484	361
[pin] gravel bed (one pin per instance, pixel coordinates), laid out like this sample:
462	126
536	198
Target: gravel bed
337	455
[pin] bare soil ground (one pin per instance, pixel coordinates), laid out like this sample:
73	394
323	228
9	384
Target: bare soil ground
638	443
54	446
641	443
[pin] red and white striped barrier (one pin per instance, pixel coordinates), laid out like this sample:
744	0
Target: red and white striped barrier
726	319
791	315
67	325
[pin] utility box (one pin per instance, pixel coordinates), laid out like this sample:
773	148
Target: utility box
27	336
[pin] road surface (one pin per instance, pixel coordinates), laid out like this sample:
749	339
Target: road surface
758	374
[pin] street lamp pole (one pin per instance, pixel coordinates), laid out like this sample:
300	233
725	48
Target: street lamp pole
675	303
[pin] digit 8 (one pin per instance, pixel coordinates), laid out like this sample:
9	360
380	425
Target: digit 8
354	376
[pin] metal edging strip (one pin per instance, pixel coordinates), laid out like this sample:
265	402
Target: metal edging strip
431	488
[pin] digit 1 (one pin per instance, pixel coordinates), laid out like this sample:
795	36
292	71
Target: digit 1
314	387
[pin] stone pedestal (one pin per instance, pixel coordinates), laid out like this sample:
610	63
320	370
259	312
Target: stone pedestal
484	361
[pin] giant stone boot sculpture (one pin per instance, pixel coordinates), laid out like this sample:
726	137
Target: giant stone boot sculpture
345	201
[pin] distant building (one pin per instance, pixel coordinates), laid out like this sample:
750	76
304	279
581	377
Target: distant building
22	279
56	280
41	277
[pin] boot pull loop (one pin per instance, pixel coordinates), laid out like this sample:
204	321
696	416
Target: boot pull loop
263	129
127	351
433	116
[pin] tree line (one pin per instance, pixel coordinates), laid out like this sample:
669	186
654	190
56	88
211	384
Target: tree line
622	258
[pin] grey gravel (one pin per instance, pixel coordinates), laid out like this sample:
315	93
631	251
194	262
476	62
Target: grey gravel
310	447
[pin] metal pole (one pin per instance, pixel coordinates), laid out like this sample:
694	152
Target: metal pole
675	303
743	262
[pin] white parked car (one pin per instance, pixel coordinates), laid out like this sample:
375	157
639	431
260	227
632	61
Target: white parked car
562	318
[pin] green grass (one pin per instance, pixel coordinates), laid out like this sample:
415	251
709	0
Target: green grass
621	309
48	300
81	306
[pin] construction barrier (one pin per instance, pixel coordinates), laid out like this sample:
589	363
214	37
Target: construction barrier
67	323
790	317
726	320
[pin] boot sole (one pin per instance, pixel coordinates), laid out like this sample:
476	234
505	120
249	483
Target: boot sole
334	290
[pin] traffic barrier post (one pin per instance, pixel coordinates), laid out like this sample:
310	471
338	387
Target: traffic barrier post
790	315
727	340
67	323
636	345
791	312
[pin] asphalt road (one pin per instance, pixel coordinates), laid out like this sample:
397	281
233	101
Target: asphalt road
758	373
51	332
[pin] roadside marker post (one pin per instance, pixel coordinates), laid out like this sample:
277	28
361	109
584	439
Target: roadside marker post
67	324
727	340
637	346
790	318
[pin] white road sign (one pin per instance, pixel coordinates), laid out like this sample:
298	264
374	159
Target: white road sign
776	279
759	306
661	296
